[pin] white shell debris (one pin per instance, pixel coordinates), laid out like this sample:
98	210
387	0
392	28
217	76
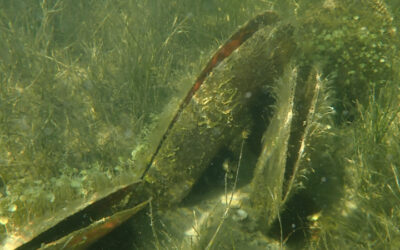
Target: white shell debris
240	215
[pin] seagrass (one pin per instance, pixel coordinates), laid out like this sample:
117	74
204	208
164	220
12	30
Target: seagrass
256	71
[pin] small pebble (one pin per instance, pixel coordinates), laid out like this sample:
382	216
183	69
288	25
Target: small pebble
12	208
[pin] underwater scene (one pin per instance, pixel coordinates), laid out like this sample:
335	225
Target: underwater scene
212	124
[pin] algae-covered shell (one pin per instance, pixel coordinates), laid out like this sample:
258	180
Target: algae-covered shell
218	112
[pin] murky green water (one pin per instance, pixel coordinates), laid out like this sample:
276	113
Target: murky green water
291	141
